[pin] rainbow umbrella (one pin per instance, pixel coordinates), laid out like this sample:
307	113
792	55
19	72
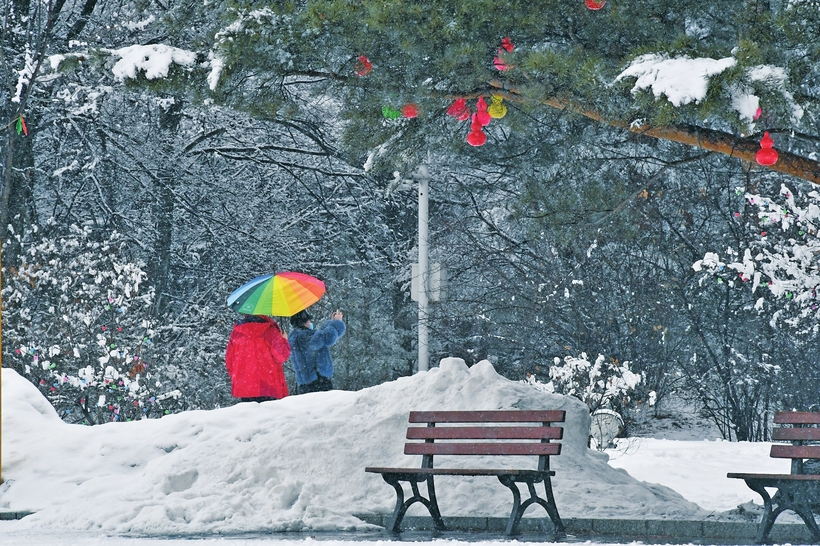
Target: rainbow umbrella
280	295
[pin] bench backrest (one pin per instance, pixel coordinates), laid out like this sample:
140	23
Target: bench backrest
804	435
511	432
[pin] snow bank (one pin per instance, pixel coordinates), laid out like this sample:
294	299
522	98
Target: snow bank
291	464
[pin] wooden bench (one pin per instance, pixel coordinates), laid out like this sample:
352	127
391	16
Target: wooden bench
508	432
798	491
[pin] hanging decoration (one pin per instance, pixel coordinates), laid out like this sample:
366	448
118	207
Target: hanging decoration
362	66
766	155
22	129
595	5
476	136
481	114
459	110
758	112
506	45
391	113
497	110
410	110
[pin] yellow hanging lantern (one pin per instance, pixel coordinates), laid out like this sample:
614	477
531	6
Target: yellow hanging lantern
497	109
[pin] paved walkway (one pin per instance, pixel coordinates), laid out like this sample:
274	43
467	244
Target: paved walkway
702	531
420	529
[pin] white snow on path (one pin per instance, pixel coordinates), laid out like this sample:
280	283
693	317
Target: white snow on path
698	470
292	464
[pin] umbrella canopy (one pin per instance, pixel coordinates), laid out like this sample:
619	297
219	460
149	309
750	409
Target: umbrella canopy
280	295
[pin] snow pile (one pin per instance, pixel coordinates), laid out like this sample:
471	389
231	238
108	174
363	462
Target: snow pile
291	464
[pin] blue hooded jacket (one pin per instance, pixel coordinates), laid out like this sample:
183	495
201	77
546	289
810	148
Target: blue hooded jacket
310	350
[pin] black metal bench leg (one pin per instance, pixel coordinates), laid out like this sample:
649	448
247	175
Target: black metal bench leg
552	508
799	500
808	518
516	512
433	505
520	507
764	528
394	525
398	512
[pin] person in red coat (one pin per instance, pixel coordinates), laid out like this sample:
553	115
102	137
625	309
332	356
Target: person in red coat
257	350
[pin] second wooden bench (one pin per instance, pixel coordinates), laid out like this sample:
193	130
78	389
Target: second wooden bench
799	490
503	432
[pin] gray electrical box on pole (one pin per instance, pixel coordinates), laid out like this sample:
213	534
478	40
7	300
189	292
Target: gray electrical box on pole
436	282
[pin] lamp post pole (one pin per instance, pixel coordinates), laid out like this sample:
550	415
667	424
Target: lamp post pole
423	177
1	360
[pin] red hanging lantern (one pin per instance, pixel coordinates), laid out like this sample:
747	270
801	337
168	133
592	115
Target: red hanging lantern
476	136
459	110
595	5
410	110
482	115
766	155
363	66
506	45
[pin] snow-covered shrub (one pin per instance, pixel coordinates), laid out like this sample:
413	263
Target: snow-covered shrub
605	386
76	322
600	384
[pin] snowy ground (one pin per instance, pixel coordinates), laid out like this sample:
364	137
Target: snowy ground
297	465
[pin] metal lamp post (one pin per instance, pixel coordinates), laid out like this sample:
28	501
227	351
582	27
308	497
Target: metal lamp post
423	177
428	280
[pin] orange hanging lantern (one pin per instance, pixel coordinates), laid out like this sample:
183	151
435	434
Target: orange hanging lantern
410	110
766	155
363	66
482	115
476	136
595	5
497	110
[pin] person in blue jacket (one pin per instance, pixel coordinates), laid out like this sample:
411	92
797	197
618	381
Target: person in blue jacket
310	351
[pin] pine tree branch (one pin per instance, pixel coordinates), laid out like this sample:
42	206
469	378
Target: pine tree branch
711	140
698	137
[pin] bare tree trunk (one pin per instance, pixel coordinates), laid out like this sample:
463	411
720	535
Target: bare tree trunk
163	207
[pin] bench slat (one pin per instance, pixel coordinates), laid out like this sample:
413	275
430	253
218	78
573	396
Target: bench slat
483	433
796	433
795	452
797	418
472	448
498	416
460	471
776	477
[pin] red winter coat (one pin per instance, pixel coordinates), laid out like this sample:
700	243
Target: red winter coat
254	358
